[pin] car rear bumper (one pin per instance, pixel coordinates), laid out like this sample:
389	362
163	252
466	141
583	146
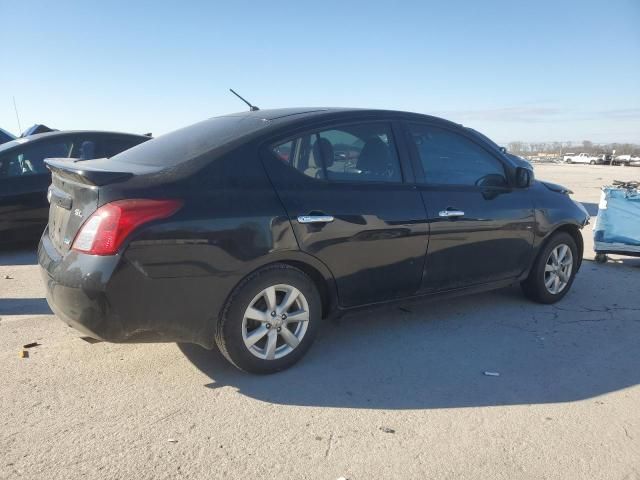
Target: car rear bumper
110	299
76	293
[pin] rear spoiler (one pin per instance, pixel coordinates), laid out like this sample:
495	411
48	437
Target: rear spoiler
82	172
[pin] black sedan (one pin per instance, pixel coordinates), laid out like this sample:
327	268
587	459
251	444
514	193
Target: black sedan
24	178
244	231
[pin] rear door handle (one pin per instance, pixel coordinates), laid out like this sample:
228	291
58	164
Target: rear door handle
451	213
315	218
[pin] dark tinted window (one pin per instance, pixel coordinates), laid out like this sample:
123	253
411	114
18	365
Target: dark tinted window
449	158
351	153
29	159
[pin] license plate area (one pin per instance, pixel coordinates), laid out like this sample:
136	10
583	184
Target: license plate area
58	218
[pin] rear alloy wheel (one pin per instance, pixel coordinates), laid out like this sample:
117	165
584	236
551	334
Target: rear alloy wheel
270	320
275	322
554	270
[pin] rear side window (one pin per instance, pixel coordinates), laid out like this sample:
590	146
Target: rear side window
29	160
449	158
349	153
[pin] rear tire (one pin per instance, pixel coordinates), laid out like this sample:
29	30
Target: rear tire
270	320
541	285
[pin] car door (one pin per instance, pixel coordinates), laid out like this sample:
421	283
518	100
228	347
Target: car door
481	227
24	180
350	206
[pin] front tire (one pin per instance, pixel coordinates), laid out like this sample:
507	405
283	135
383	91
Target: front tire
554	270
270	320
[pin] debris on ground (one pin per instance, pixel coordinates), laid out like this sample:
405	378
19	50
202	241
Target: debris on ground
24	354
8	277
90	340
492	374
172	440
387	430
31	345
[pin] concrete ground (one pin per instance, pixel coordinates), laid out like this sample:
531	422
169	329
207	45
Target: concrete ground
393	393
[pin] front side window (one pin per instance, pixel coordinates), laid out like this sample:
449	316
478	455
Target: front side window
350	153
449	158
29	160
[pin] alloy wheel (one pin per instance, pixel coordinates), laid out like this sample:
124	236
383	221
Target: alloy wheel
275	322
558	268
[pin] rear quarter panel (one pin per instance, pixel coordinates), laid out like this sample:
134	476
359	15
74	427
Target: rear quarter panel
231	224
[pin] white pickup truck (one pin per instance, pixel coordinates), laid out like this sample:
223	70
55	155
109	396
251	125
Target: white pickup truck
580	158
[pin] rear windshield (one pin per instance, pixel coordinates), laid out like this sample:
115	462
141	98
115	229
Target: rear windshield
190	142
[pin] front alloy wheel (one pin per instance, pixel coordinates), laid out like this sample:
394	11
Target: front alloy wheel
554	270
558	268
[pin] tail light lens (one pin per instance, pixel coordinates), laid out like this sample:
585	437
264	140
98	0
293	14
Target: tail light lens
106	229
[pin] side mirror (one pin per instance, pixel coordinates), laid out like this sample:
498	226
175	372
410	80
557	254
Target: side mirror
524	177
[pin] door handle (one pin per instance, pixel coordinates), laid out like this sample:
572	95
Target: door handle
451	213
315	218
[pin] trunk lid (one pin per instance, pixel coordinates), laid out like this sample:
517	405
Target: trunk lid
73	196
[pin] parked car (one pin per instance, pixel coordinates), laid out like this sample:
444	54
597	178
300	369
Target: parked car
36	129
580	158
603	159
624	160
5	136
24	178
634	161
242	230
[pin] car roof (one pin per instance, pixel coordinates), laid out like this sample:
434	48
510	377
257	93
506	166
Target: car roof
39	136
286	115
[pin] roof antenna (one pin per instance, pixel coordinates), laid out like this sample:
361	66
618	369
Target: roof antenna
17	116
253	108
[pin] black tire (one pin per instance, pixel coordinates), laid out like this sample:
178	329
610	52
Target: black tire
592	162
534	287
229	331
601	258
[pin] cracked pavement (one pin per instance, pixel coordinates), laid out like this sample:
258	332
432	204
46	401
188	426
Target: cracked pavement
397	392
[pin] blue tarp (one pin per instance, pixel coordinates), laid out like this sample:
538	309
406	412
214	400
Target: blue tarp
617	226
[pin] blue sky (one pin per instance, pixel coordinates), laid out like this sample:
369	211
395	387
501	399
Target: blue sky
531	71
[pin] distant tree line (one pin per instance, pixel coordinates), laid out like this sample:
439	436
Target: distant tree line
560	148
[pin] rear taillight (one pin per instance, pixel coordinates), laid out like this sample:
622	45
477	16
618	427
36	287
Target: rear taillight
109	226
